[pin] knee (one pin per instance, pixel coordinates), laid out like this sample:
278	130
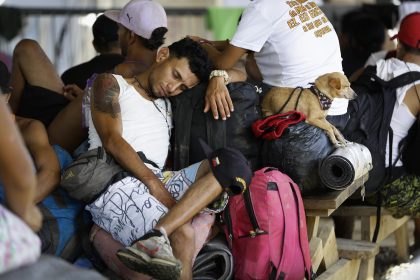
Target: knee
25	46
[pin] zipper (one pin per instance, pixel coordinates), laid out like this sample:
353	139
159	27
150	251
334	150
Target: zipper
253	234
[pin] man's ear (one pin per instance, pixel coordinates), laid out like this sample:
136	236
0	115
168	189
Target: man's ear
162	54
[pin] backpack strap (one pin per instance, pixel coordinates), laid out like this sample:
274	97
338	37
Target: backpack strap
303	235
404	79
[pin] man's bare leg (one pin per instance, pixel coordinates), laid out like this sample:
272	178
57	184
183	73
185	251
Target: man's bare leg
31	65
201	193
66	129
183	246
153	254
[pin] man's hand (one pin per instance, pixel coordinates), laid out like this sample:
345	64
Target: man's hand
33	218
72	91
158	190
218	99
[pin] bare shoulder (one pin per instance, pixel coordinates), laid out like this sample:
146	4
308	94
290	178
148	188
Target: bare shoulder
105	94
412	99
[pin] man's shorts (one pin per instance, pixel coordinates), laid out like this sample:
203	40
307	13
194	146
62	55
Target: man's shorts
41	104
128	211
402	196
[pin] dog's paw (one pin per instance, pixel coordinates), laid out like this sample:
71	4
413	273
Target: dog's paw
340	144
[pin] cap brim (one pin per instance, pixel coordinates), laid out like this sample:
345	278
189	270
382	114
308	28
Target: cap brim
206	148
113	15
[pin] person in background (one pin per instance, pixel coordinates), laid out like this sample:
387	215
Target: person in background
400	196
39	93
16	170
105	42
365	34
279	34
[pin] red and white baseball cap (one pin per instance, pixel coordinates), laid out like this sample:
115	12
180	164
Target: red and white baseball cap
140	16
409	32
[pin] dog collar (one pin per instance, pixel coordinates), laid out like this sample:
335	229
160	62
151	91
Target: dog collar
324	100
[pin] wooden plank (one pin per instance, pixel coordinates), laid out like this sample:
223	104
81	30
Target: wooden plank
356	249
367	269
401	242
319	212
312	224
359	211
343	269
327	235
317	253
332	200
388	225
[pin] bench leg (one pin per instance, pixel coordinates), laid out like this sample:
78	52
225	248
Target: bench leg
401	240
312	224
367	269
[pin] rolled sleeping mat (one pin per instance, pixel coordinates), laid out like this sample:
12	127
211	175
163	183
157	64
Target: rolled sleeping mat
345	165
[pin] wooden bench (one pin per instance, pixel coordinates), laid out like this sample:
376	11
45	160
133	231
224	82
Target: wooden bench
323	205
323	246
388	226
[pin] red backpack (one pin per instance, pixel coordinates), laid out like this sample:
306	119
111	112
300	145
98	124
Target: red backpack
266	229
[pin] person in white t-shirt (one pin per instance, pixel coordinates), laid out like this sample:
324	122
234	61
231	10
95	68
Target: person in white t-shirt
293	43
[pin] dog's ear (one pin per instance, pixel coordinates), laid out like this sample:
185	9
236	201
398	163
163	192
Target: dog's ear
335	82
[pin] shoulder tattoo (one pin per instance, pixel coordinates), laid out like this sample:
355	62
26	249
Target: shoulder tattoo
105	95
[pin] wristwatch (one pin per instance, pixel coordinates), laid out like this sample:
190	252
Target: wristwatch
220	73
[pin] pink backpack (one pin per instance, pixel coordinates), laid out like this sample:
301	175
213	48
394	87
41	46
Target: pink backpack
266	229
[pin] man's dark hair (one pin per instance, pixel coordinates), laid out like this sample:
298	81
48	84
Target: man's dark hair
367	34
156	39
198	59
105	33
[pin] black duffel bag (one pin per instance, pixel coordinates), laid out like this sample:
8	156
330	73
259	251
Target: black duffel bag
190	124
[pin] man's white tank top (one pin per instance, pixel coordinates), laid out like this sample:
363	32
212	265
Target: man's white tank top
146	124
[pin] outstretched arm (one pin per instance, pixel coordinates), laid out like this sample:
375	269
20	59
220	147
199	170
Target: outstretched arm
43	155
17	172
106	116
224	56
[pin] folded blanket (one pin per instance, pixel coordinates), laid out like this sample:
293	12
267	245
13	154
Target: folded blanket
339	170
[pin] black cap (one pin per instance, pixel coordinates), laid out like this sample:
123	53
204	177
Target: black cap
230	168
4	78
105	30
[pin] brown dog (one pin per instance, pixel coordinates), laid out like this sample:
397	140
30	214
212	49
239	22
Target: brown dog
314	102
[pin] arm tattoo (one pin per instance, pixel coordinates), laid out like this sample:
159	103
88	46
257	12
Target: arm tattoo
105	95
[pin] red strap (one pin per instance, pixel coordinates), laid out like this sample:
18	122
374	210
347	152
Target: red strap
273	126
